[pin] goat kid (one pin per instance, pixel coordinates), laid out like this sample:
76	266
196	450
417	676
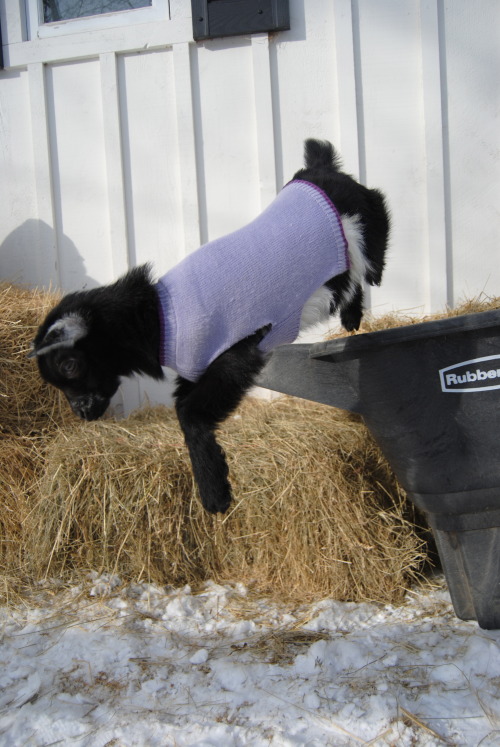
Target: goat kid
215	317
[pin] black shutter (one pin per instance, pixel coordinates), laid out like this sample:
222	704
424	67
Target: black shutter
212	18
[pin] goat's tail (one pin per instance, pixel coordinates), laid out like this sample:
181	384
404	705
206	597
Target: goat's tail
321	153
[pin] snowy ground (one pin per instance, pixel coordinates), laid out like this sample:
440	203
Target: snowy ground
140	665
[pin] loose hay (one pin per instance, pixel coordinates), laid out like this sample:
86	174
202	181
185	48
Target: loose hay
317	509
372	323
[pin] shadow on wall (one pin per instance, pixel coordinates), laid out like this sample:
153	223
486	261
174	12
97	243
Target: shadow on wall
30	256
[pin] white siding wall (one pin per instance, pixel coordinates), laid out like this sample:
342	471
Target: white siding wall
125	142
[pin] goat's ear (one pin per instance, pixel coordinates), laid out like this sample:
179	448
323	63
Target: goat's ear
62	334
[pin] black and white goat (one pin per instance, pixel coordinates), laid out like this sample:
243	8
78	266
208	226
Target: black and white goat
216	316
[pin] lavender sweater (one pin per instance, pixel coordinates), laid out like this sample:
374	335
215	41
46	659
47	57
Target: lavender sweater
261	274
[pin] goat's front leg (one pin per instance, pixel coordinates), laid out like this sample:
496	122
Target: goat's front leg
203	405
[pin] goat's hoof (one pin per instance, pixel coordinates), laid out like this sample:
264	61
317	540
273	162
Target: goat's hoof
216	505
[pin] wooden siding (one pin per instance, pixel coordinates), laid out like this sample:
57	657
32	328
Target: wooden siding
125	142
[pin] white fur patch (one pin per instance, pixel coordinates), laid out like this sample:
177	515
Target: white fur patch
71	327
63	333
355	247
316	309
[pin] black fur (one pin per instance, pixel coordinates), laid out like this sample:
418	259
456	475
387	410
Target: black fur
115	332
123	329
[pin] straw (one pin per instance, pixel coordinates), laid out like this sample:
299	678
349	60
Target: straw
317	510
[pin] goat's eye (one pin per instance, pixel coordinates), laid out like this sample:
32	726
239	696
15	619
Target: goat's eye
69	368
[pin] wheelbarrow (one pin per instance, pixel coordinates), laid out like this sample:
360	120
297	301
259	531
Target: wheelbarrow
430	395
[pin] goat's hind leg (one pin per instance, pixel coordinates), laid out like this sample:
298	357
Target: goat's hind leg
203	405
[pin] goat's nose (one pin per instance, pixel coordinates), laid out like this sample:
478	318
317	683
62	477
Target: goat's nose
85	412
80	407
89	407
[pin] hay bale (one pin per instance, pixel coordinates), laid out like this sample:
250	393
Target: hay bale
320	512
371	323
27	404
20	468
317	510
30	413
106	501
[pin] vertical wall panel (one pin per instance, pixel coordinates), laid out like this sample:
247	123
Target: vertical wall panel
79	174
347	80
18	224
114	163
186	146
45	252
265	126
305	87
151	158
390	52
437	260
228	132
472	38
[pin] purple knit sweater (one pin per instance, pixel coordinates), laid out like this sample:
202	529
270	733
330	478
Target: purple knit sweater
261	274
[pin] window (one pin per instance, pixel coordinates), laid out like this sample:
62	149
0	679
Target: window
54	18
63	10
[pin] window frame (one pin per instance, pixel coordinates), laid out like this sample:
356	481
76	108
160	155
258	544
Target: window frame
159	10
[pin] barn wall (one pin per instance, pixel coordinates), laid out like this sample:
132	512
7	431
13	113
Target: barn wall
128	142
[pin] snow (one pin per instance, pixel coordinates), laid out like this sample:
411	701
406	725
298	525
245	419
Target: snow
112	664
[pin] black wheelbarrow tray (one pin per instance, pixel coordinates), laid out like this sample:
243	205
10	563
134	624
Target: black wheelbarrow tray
430	395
